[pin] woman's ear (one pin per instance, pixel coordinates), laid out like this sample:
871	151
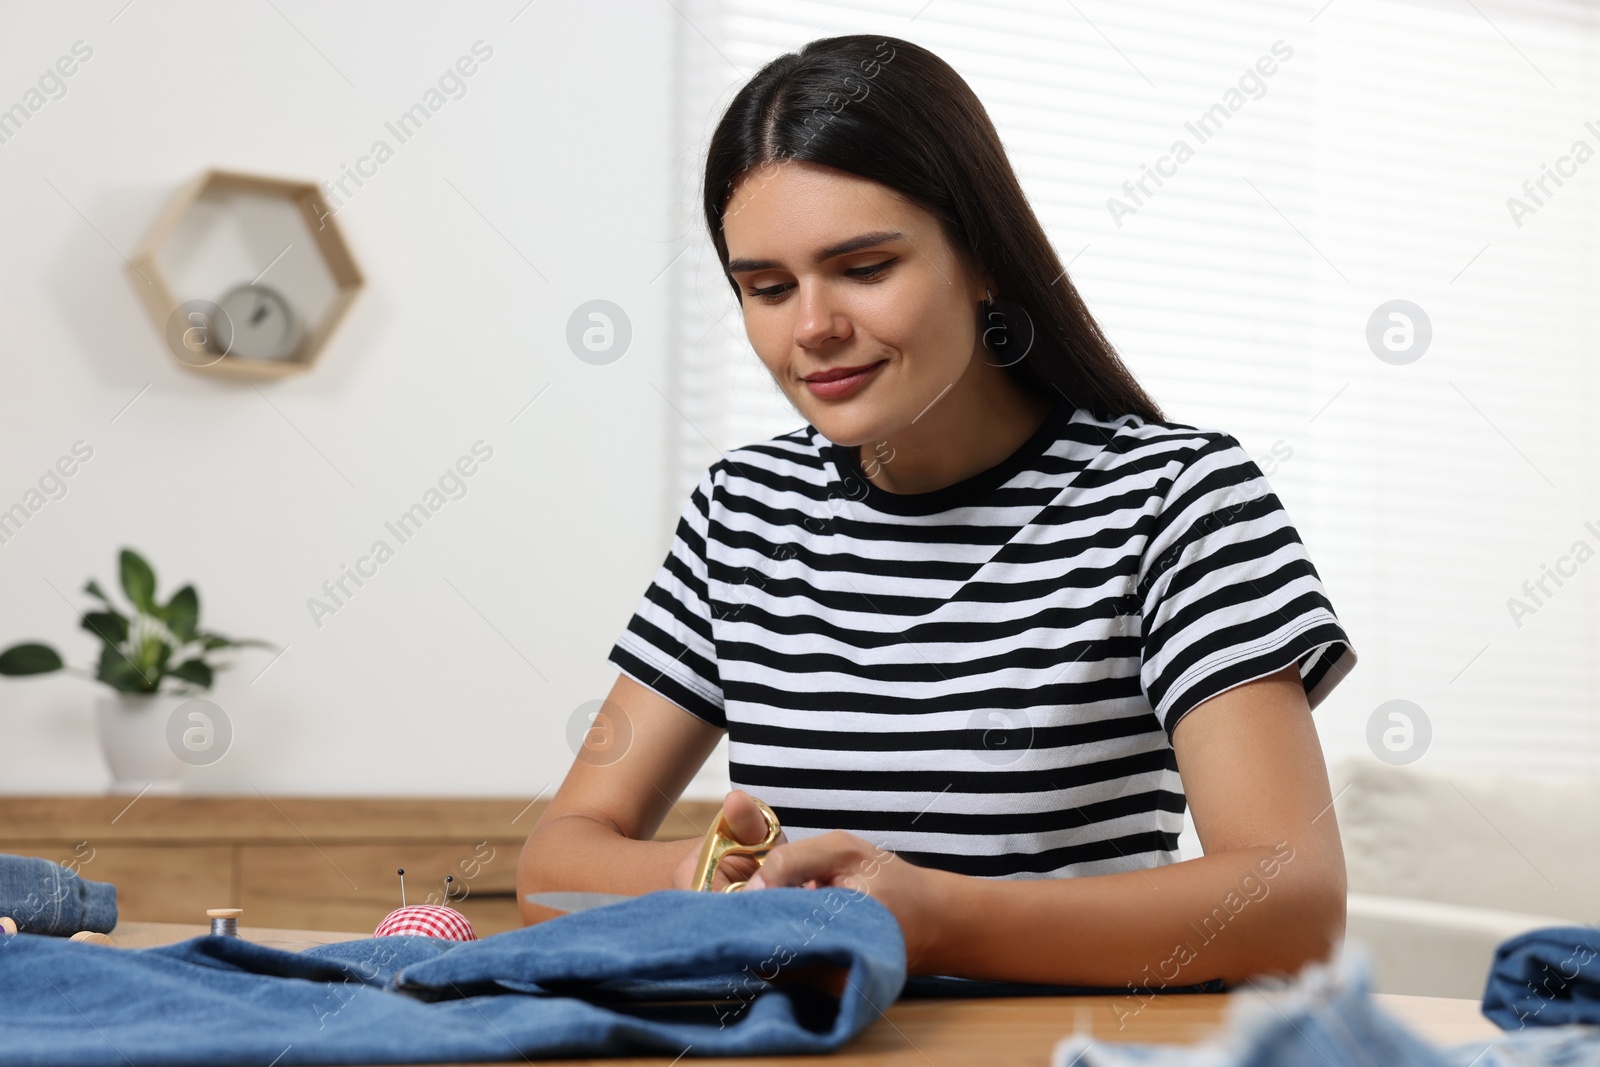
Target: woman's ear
987	286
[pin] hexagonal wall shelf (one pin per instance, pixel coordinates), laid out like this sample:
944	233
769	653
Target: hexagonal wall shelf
246	276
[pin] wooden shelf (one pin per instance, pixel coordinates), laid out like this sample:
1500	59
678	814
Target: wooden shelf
295	862
304	231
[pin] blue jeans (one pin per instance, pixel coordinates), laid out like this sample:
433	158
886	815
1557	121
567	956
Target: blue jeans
1327	1018
46	898
605	981
1545	977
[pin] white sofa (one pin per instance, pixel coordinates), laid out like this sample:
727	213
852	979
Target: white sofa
1443	867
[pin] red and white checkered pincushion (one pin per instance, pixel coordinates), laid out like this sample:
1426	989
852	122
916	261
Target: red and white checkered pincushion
426	920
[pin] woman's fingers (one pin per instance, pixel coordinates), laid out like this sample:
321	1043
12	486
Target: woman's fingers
740	868
829	859
744	818
748	826
787	868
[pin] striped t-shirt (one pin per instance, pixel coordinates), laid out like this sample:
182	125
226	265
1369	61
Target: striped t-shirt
983	678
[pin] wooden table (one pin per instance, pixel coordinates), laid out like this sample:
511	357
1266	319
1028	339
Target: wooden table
994	1032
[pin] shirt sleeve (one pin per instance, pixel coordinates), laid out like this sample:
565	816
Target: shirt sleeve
667	645
1227	591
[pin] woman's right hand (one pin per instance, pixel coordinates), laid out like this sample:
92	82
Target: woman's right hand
748	826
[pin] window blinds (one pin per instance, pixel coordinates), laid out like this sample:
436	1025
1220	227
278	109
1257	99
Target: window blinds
1396	152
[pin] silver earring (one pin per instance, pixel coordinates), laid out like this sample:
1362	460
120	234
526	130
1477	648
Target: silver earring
1006	329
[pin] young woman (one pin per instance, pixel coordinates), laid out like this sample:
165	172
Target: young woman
982	627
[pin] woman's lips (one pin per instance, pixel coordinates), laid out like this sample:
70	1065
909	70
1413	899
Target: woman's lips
839	387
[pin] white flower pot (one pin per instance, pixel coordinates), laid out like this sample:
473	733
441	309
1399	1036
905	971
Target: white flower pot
133	735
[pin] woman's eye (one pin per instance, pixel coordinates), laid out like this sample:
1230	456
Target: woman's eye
870	272
773	293
767	293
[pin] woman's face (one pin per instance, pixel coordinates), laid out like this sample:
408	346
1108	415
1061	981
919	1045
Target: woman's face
849	276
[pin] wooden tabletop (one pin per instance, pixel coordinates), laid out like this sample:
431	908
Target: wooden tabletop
149	935
992	1031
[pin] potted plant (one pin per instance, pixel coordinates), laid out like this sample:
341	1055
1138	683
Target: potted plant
154	658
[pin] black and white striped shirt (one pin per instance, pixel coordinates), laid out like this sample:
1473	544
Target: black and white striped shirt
983	678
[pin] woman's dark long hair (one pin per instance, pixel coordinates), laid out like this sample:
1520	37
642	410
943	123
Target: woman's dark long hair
893	112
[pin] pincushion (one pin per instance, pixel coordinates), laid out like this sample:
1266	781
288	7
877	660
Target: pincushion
426	920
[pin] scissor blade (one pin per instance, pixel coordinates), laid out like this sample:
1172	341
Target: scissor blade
574	901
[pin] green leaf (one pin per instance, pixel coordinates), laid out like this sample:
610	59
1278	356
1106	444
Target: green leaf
212	641
29	659
195	671
93	589
118	671
163	653
108	626
183	613
138	581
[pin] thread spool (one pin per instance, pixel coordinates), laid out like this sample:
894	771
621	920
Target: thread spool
224	921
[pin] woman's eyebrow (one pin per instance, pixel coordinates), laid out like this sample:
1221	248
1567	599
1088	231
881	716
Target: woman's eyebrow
865	240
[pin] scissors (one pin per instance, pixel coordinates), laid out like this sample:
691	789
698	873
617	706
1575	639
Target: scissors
719	842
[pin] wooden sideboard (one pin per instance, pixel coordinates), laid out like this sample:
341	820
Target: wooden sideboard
316	863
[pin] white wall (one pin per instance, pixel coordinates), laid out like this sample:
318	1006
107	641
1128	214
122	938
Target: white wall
562	142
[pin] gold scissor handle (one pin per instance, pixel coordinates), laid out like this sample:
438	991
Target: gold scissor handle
720	842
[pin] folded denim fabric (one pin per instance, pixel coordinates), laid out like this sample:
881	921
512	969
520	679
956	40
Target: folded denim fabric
1572	1045
631	978
46	898
1327	1018
1545	977
1324	1018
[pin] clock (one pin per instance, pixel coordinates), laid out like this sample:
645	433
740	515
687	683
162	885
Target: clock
256	323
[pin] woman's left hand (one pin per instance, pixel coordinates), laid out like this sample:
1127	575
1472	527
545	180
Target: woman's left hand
843	859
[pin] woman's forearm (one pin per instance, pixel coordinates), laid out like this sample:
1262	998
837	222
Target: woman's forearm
1227	915
578	853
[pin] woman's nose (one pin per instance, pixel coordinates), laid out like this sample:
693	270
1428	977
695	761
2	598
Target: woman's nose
817	316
